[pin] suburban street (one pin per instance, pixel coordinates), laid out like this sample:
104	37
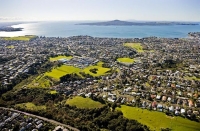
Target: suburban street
42	118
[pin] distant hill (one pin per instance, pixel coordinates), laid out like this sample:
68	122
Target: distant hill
10	29
127	23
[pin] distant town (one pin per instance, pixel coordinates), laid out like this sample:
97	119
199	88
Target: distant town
51	77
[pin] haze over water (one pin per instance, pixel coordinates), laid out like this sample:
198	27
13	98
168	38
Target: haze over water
66	29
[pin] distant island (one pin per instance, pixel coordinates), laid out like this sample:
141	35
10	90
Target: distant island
127	23
10	29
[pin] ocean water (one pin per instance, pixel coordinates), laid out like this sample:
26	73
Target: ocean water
66	29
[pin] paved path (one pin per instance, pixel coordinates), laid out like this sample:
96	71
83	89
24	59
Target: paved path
43	118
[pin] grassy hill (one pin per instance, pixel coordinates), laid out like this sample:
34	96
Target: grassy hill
30	106
81	102
157	120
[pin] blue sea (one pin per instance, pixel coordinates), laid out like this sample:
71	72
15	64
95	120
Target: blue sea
66	29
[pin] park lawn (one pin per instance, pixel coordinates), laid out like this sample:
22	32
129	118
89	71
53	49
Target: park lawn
192	78
47	79
10	47
157	120
137	46
22	38
61	71
81	102
100	70
53	92
125	60
60	57
30	106
100	63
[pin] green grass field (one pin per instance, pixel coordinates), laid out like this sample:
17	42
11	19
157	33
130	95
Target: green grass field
137	46
81	102
157	120
53	92
100	70
192	78
10	47
49	78
22	38
125	60
61	71
60	57
30	106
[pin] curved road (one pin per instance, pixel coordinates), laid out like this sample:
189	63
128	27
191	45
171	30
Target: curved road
43	118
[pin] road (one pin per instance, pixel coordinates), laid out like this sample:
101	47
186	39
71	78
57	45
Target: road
43	118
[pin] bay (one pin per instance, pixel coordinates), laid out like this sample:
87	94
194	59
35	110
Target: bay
66	29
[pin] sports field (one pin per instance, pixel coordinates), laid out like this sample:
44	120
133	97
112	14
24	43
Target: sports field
81	102
60	57
125	60
137	46
100	70
157	120
22	38
61	71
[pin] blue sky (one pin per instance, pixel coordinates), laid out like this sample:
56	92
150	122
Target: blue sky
157	10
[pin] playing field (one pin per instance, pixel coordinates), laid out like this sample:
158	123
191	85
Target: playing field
10	47
22	38
30	106
100	70
125	60
81	102
60	57
61	71
137	46
157	120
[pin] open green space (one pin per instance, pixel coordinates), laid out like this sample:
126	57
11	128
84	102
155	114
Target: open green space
81	102
61	71
100	70
192	78
10	47
60	57
137	46
125	60
53	92
49	78
30	106
22	38
157	120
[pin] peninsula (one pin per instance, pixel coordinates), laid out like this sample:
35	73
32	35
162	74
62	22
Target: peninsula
128	23
10	29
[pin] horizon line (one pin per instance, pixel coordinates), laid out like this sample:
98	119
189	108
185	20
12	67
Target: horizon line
131	20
